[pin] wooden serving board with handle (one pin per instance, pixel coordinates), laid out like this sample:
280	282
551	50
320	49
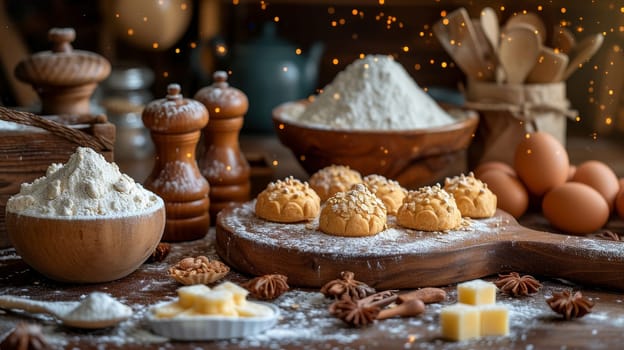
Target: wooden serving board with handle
398	258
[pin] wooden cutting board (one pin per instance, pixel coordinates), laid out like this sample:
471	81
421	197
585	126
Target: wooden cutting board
398	258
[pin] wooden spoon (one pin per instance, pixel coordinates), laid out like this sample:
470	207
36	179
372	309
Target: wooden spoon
67	312
563	39
518	51
457	36
582	52
491	27
549	67
530	19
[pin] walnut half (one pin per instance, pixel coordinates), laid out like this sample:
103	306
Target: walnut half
198	270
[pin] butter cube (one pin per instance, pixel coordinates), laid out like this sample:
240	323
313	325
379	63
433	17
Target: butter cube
252	309
215	302
476	292
460	322
239	293
494	320
188	294
168	310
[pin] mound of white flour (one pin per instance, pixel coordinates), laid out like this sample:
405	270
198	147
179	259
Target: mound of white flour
87	185
374	93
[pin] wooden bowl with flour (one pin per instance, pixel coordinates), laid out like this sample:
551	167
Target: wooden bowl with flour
413	157
86	250
85	221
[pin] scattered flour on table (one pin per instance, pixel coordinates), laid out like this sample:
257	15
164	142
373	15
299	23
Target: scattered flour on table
374	93
87	185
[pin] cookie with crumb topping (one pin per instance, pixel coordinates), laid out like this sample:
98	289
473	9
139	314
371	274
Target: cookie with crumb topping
429	208
288	201
389	191
332	179
354	213
474	199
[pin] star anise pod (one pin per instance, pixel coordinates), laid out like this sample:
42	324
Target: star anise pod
267	287
160	253
570	305
515	285
25	336
347	286
353	313
608	235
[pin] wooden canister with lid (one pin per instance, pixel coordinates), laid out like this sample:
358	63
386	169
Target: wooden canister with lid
223	164
64	78
175	124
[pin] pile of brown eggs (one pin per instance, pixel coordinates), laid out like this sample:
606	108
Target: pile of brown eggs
574	199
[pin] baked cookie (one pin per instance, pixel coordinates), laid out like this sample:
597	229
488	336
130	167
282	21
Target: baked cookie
354	213
474	199
287	201
429	208
332	179
389	191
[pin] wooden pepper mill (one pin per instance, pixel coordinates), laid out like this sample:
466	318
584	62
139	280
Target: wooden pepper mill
175	124
223	163
63	78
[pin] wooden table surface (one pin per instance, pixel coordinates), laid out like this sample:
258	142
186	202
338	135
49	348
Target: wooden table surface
305	322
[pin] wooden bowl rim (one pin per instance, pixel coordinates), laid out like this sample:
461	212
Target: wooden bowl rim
470	119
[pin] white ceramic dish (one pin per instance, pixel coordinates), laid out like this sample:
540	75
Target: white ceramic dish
212	327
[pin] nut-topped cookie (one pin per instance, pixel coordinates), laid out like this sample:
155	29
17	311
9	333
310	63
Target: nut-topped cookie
354	213
288	201
389	191
429	208
332	179
474	199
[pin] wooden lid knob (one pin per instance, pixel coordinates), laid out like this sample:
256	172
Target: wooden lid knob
63	66
222	100
174	114
61	39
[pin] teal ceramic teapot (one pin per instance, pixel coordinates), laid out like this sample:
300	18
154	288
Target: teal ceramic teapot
269	70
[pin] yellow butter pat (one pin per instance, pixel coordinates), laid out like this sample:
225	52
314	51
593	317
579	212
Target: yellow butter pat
239	293
188	294
252	309
476	292
494	320
460	322
168	310
215	302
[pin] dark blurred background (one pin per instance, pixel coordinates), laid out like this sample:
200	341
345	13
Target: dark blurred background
198	36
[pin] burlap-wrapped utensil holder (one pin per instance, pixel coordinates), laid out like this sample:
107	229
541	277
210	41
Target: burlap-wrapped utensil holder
508	112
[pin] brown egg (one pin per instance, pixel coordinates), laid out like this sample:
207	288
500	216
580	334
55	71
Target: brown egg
571	172
575	208
619	199
541	162
489	165
511	195
600	177
619	203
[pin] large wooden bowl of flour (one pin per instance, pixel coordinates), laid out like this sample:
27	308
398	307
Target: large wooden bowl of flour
84	221
413	157
87	249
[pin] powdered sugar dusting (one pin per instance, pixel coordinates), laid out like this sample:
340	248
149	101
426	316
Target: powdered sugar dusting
395	240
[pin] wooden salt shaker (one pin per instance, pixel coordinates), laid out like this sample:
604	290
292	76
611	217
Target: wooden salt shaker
175	124
223	163
63	78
